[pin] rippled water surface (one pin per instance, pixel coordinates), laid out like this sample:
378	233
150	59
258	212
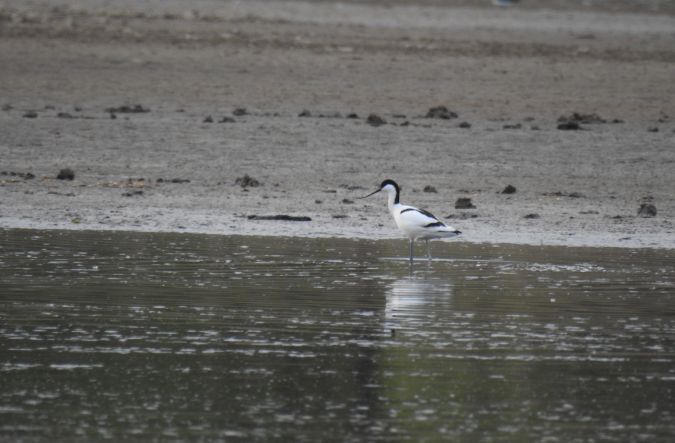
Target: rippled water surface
187	337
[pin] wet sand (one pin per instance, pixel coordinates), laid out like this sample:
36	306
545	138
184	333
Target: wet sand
300	70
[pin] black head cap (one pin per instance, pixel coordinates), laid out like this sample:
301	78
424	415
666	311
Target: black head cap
395	185
390	182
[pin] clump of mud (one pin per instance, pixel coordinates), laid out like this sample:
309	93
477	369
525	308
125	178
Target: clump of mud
247	182
126	109
441	112
376	120
464	203
582	119
66	174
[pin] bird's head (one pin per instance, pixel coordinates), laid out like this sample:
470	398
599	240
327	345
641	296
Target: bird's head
389	186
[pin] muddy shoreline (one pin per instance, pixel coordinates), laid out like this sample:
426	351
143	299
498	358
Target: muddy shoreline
158	112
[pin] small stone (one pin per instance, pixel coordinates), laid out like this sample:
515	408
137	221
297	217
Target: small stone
464	203
347	201
66	174
429	188
440	112
352	115
569	126
239	112
647	210
208	119
514	126
532	216
509	189
30	114
653	129
247	182
375	120
132	193
464	125
305	113
227	120
64	115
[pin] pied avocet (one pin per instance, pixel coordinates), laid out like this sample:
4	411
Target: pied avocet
413	222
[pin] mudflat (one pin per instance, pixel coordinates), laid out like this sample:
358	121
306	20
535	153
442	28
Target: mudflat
195	116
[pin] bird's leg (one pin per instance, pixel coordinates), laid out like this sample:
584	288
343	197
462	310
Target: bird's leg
411	250
428	251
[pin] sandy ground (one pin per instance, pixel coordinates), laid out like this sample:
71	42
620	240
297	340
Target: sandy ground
509	73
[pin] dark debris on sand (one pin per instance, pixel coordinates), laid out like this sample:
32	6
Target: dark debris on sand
582	119
280	217
66	174
509	189
133	193
173	180
247	182
441	112
563	194
126	109
23	175
429	188
375	120
647	210
464	203
569	126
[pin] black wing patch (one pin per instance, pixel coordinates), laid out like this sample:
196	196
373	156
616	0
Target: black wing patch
434	225
422	211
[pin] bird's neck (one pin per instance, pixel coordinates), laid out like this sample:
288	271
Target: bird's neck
393	200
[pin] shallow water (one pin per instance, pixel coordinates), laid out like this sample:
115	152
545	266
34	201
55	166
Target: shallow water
192	337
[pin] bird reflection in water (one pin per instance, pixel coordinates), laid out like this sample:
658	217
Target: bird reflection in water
410	301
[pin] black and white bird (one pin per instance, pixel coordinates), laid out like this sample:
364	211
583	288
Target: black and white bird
416	224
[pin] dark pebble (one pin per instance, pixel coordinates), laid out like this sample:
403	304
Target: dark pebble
64	115
239	112
429	188
305	113
208	119
227	120
569	126
515	126
464	125
464	203
532	216
347	201
586	119
132	193
353	115
509	189
647	210
440	112
247	182
30	114
126	109
653	129
375	120
66	174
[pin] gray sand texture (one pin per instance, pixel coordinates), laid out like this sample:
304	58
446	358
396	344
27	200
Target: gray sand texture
281	91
